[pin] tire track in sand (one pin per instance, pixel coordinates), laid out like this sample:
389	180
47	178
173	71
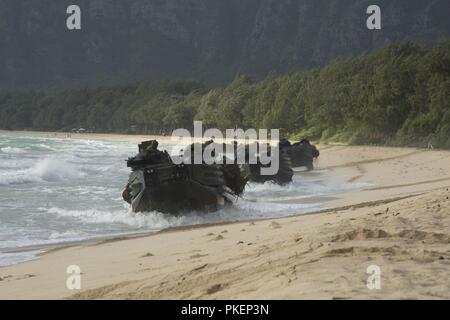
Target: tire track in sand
362	162
408	184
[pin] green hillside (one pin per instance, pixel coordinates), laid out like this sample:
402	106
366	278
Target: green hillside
399	95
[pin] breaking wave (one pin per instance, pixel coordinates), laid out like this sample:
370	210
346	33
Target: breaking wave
12	150
47	170
298	189
242	210
61	190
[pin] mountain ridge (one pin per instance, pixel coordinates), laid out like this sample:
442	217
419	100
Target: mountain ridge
204	40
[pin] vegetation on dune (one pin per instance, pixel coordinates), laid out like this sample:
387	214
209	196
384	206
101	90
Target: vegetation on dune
150	107
399	95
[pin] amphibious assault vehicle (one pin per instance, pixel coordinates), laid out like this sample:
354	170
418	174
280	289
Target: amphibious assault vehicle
282	176
156	183
302	153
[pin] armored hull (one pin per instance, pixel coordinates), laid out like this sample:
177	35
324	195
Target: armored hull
283	176
158	184
302	155
175	188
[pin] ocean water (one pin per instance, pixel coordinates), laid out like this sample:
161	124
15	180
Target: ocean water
63	190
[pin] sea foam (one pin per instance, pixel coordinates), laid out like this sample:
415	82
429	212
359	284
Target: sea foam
46	170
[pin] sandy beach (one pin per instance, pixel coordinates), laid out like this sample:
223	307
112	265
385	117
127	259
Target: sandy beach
400	222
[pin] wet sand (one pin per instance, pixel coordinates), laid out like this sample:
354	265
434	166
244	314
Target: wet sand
400	223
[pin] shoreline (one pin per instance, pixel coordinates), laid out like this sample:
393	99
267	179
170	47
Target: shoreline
309	259
83	136
398	222
117	137
97	240
44	248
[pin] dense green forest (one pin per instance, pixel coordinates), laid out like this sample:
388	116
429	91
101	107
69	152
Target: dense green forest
399	95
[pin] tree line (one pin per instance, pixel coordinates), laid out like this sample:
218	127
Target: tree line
399	95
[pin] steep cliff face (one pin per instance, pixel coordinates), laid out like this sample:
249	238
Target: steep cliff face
207	40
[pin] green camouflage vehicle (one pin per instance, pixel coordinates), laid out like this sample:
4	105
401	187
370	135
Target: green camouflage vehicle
284	174
302	153
156	183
